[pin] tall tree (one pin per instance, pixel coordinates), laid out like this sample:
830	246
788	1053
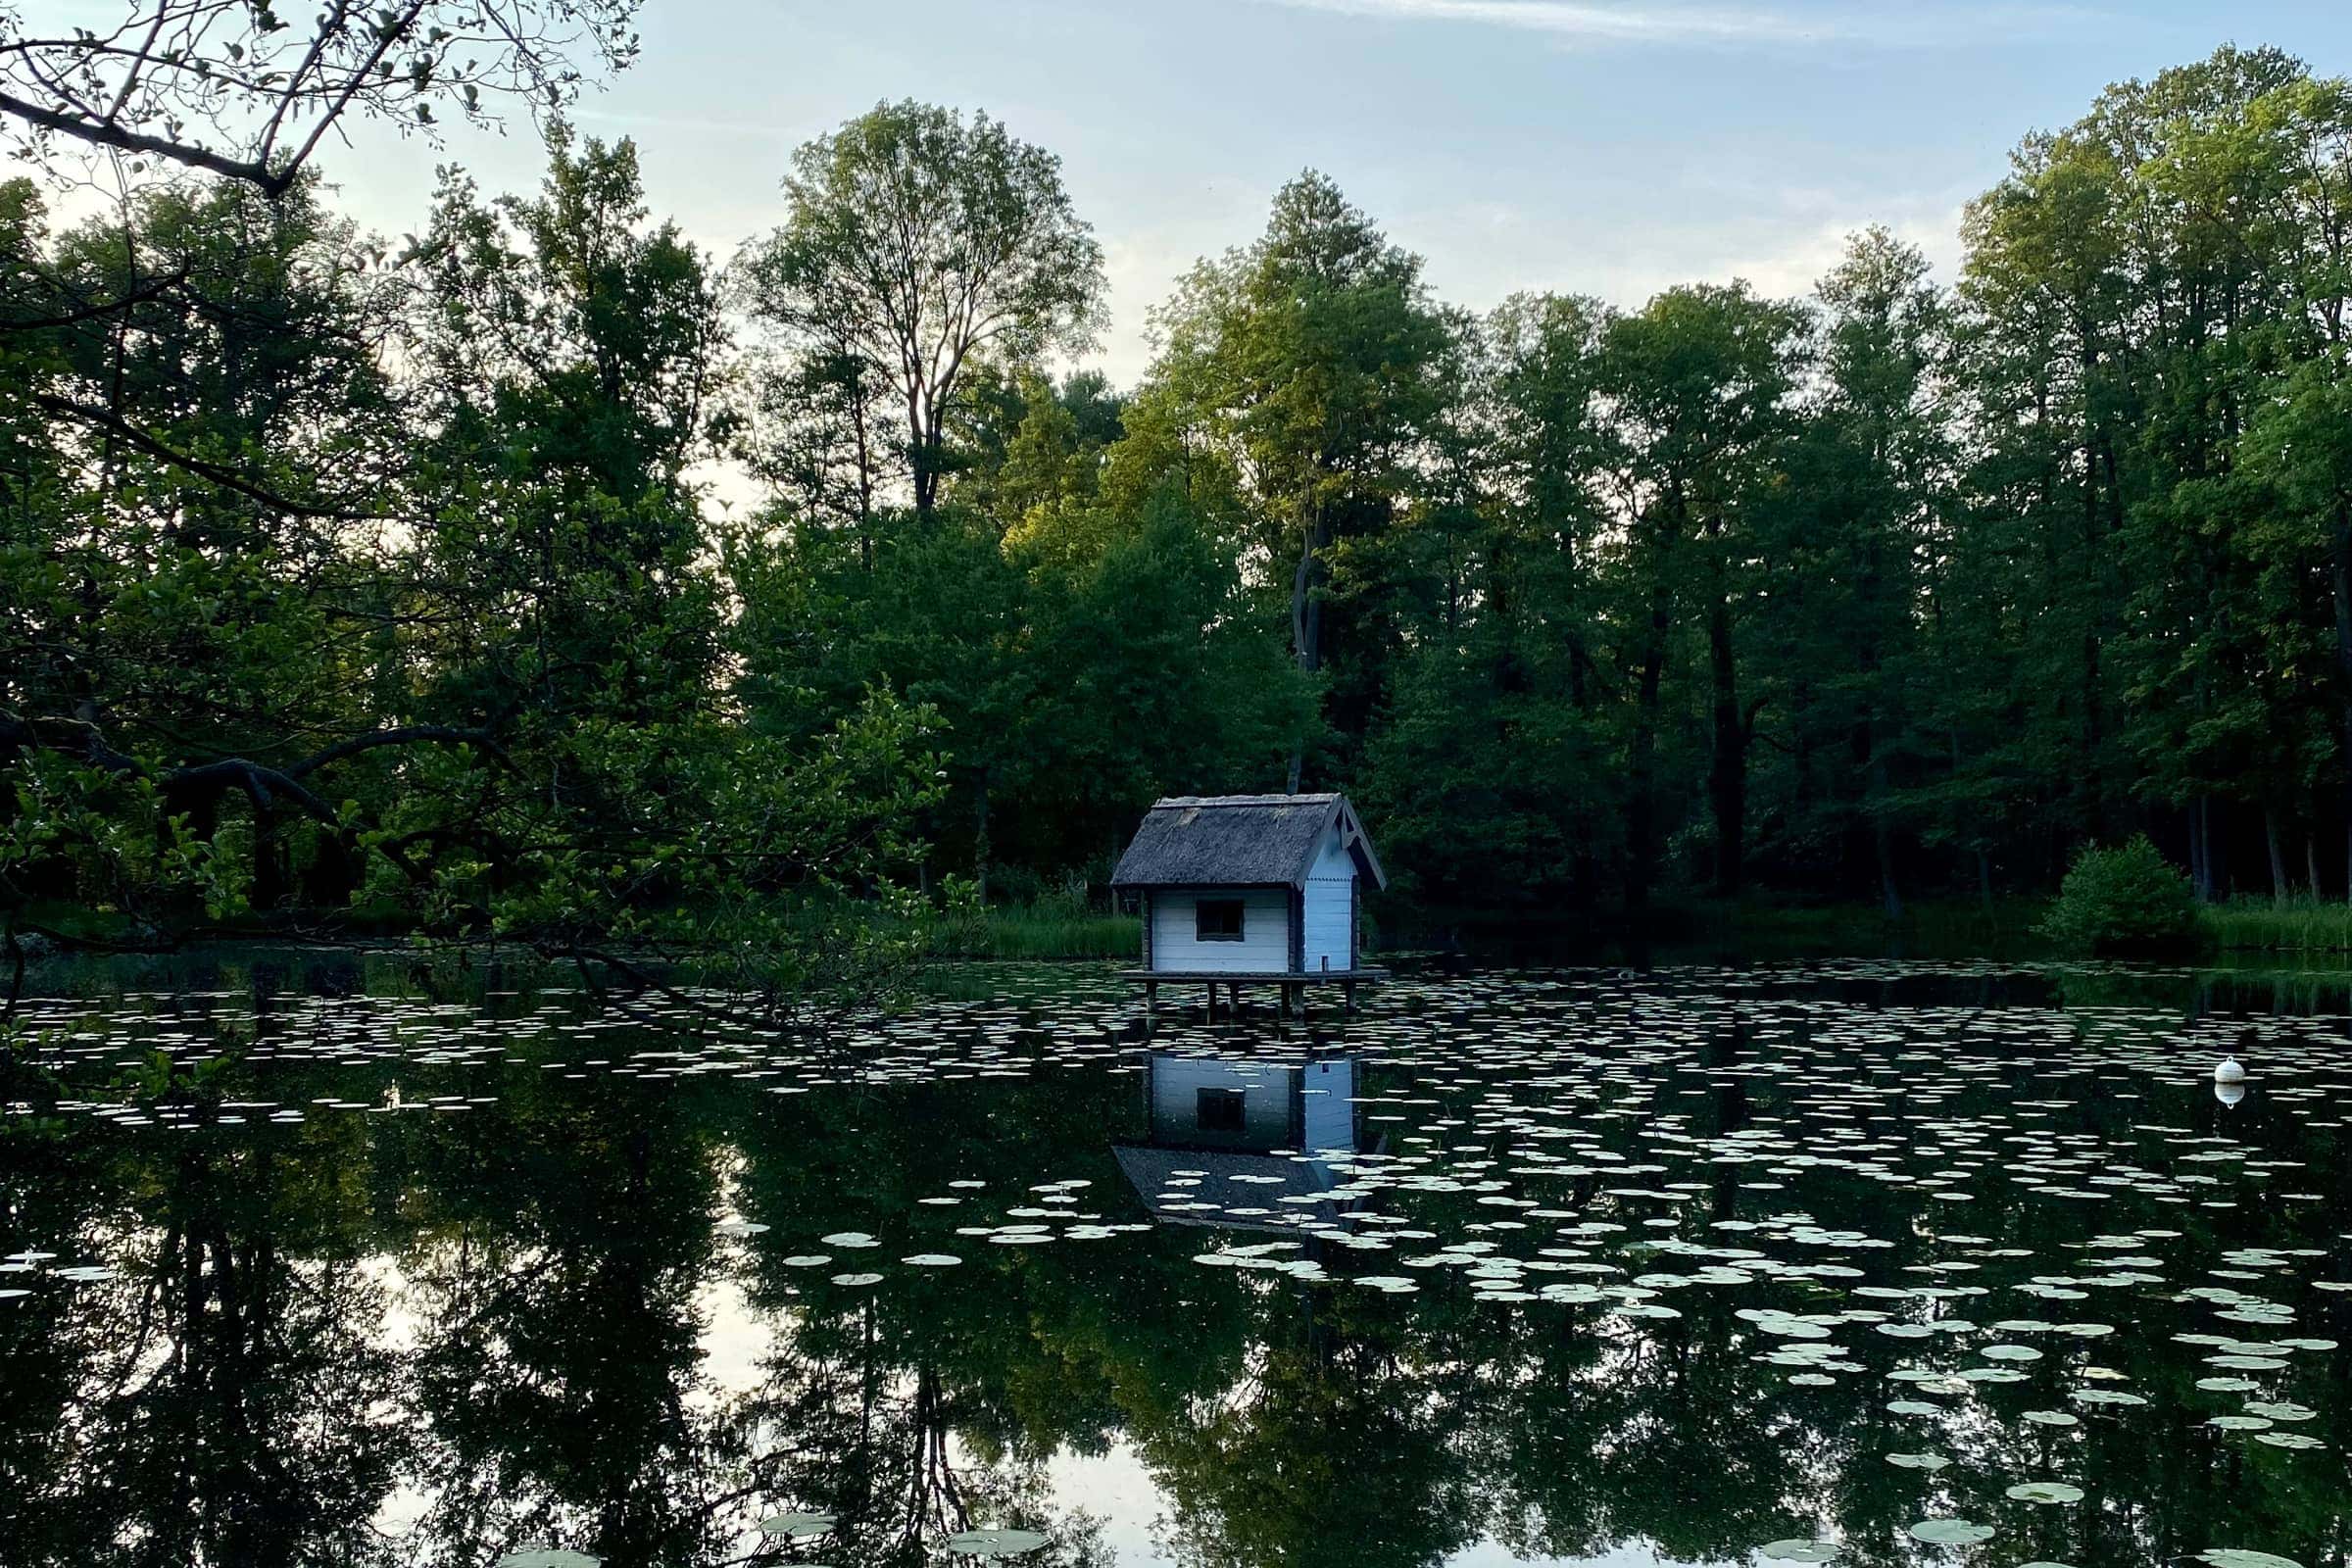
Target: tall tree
1842	537
1696	386
1319	362
917	243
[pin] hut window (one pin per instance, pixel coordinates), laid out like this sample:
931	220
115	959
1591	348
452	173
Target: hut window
1220	1110
1217	920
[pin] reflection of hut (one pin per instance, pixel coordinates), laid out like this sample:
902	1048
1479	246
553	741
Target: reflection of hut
1221	1102
1216	1126
1251	888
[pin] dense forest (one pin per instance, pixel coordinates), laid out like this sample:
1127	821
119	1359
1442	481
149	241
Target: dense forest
542	574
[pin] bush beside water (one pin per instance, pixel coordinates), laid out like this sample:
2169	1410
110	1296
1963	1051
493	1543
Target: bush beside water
2124	902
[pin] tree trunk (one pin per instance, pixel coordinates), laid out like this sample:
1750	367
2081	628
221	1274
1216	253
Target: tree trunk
1641	813
2339	571
2269	834
1882	839
980	844
2311	863
1726	780
2200	866
2217	854
1585	866
1307	616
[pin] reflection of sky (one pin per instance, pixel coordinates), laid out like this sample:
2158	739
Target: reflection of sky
1116	1487
1633	1554
403	1504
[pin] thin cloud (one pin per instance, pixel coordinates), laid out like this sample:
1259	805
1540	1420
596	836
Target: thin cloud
1899	27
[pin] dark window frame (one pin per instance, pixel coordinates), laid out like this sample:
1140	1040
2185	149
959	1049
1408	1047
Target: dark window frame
1203	931
1218	1109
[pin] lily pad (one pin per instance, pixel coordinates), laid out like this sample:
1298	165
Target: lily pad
995	1543
796	1526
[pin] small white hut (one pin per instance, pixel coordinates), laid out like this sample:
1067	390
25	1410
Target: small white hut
1266	889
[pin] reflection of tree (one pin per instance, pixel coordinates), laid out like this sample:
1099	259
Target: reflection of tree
930	1404
883	1447
505	1311
227	1398
1349	1445
1666	1433
557	1390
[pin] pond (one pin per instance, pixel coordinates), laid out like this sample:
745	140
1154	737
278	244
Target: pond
1871	1262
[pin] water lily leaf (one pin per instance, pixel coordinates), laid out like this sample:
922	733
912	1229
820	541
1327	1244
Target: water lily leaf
1930	1462
796	1526
2239	1557
995	1543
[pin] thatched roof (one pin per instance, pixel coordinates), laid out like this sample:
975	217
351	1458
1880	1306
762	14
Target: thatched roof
1239	841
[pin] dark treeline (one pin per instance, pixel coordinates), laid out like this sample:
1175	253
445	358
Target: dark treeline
346	580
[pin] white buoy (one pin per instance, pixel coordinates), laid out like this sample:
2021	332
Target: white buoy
2229	1094
2229	1072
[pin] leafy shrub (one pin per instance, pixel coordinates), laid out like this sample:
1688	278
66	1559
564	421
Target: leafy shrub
2124	900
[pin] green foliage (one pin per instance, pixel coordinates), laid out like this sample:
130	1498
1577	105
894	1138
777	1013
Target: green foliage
2122	901
2267	925
1052	927
467	684
920	246
345	589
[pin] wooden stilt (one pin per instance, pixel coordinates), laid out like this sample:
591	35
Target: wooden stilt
1347	994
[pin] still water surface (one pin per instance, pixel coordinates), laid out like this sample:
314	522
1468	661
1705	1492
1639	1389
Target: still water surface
1881	1264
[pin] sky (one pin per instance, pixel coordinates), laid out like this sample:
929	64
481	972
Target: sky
1605	147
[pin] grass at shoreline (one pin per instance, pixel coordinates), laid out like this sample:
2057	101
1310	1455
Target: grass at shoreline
2300	935
1926	929
1054	929
2299	925
2306	933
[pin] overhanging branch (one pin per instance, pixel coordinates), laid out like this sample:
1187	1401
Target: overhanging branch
226	477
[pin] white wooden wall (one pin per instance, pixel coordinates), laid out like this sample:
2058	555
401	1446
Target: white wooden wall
1176	1085
1327	1090
1330	906
1264	947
